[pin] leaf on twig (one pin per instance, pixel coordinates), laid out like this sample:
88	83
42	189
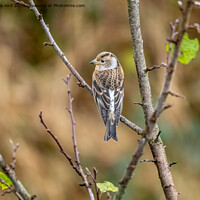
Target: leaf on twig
188	49
5	179
107	186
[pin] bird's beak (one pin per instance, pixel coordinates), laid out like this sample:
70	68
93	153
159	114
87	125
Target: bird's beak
93	61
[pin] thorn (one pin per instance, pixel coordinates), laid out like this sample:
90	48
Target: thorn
39	17
176	95
80	84
47	44
139	103
167	106
33	197
82	184
173	163
172	41
148	160
156	140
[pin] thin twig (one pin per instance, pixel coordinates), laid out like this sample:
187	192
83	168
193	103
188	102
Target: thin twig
176	95
76	152
15	147
21	3
70	99
95	181
130	169
19	190
155	67
109	197
58	143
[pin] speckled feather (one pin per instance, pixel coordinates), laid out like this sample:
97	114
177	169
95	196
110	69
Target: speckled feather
108	90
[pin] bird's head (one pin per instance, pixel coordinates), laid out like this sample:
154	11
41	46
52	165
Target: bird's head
105	60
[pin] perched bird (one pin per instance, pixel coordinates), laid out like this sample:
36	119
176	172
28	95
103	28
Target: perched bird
108	90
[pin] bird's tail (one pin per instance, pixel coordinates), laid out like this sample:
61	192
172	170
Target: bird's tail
110	131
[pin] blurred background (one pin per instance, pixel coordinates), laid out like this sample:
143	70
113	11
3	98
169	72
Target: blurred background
31	81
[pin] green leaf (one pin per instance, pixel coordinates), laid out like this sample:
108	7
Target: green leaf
107	186
188	49
6	180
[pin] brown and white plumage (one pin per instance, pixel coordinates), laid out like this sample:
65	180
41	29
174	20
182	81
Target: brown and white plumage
108	91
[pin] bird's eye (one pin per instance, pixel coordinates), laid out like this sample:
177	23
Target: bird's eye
102	61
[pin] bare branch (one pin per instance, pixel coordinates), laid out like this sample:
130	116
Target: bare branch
151	115
19	190
15	147
109	197
130	169
67	81
172	65
76	152
98	193
176	95
155	67
58	143
21	3
131	125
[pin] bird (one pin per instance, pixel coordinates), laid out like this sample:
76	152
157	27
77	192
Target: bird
108	91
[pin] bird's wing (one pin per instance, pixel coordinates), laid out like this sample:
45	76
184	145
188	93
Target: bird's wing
119	95
102	99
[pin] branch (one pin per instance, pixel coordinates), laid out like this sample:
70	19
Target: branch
172	64
94	179
21	3
79	166
15	147
152	130
58	143
130	169
155	67
19	191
